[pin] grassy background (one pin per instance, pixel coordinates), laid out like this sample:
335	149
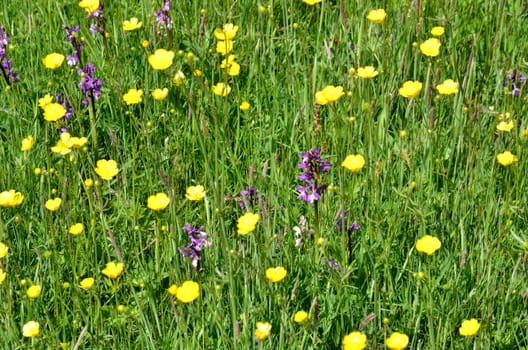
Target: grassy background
442	178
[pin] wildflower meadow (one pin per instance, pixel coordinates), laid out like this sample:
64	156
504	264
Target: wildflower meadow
275	174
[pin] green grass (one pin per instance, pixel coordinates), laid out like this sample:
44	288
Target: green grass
442	178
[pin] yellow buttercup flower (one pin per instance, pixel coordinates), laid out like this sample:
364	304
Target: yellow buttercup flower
276	274
469	327
53	60
54	111
227	32
505	126
431	47
53	204
311	2
44	101
77	142
106	169
354	162
232	68
31	329
11	198
76	229
428	244
61	147
3	250
160	94
34	291
113	270
157	202
195	193
410	89
354	341
506	158
300	316
263	330
187	292
67	142
132	24
367	72
448	87
133	96
161	59
437	31
87	283
247	223
397	341
329	94
3	275
27	143
377	16
224	47
221	89
244	106
89	5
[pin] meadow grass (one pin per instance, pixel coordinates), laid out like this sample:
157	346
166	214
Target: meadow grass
431	168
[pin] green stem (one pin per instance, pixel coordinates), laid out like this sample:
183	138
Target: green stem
93	119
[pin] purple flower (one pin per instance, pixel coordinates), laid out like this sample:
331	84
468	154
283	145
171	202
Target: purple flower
72	34
514	81
10	76
313	169
163	15
90	86
98	21
343	217
249	197
198	241
334	265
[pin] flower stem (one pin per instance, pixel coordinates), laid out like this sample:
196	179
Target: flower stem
6	77
93	118
316	220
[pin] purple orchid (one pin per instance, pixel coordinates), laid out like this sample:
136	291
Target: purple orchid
313	169
198	240
10	76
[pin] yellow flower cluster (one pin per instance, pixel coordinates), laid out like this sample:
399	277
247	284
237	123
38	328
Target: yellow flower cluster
158	201
355	341
52	111
428	244
113	270
276	274
330	93
11	198
132	24
133	96
161	59
354	162
89	5
187	292
377	16
224	46
247	223
106	169
53	60
195	193
263	330
67	142
397	341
